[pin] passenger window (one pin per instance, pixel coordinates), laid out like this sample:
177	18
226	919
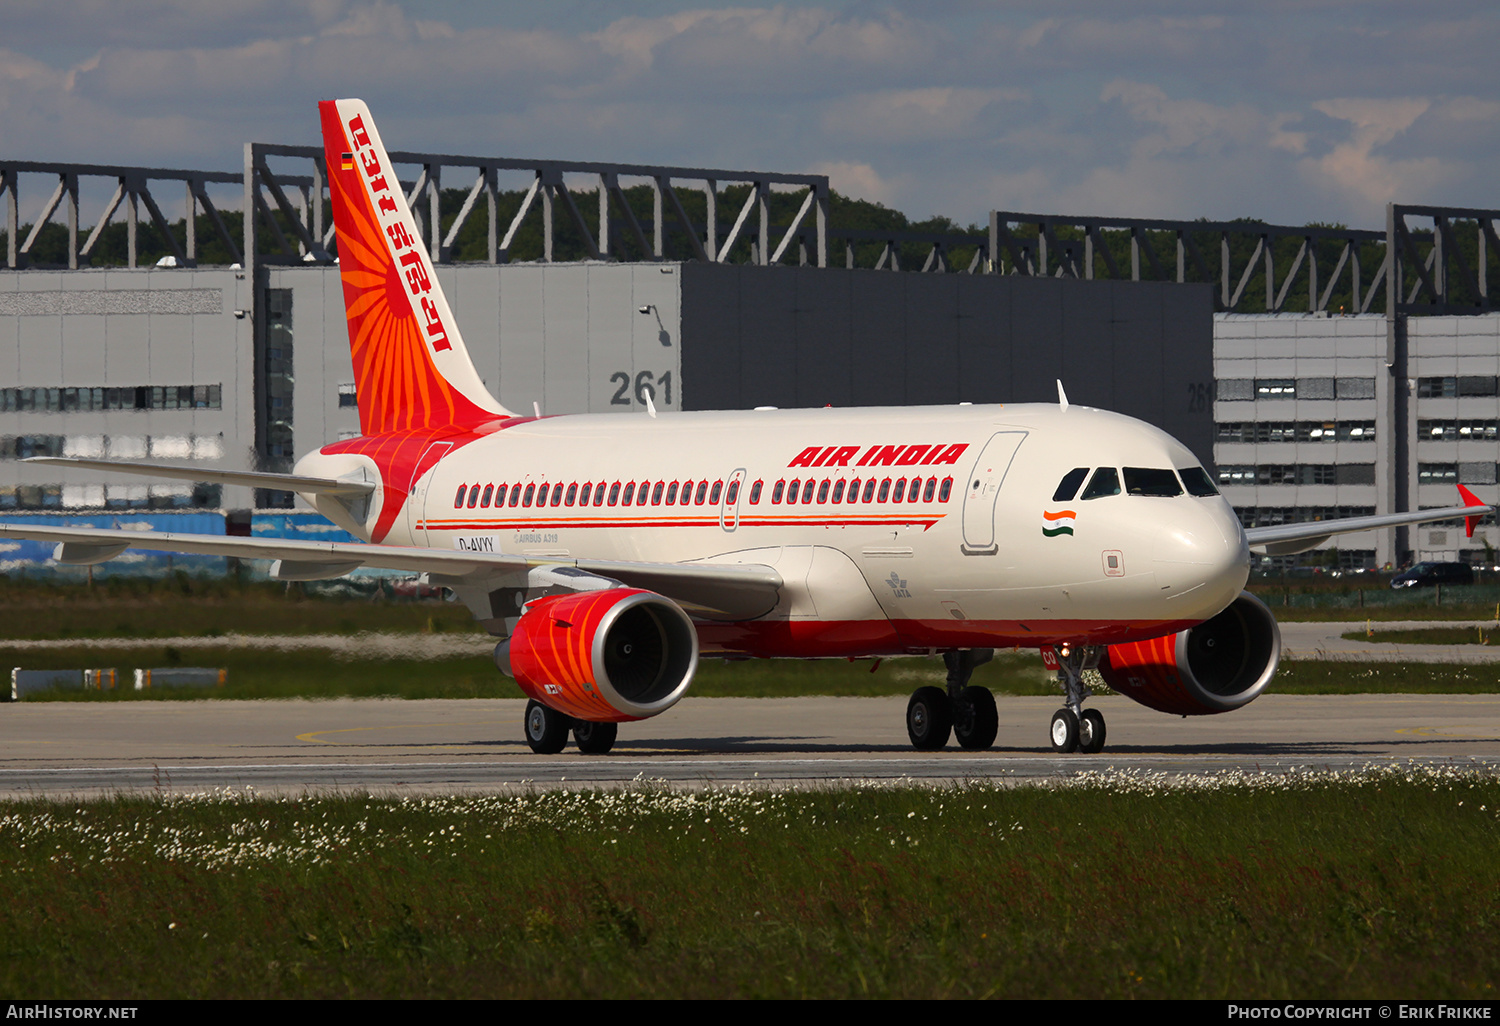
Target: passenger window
794	490
489	490
557	493
572	493
885	490
642	493
733	494
755	492
823	490
931	489
1151	481
499	496
900	491
854	490
599	494
515	494
656	493
672	494
530	492
629	494
1106	481
947	489
838	491
614	493
702	493
807	491
458	499
713	496
1197	481
870	490
776	492
687	493
583	495
1068	486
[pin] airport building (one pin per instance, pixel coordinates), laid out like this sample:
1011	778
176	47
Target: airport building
699	301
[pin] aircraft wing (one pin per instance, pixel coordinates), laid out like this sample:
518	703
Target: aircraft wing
738	591
249	478
1289	539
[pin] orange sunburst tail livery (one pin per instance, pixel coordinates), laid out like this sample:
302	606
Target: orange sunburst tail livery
411	368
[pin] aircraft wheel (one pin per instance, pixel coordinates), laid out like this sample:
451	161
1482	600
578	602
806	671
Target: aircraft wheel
594	738
1091	731
546	728
1064	731
929	719
976	722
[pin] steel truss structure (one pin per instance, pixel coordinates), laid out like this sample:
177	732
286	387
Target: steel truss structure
1429	268
1424	270
132	188
548	193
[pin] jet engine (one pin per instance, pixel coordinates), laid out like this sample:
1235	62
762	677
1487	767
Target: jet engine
1217	666
604	656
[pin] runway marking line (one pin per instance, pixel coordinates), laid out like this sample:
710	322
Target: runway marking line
1443	732
312	736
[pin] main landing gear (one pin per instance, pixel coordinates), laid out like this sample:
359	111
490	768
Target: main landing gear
547	731
969	712
1075	729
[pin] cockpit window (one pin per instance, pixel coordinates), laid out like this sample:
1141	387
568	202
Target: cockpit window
1197	481
1151	481
1069	486
1106	481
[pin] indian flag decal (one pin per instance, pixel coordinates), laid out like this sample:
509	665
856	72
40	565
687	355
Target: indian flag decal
1060	522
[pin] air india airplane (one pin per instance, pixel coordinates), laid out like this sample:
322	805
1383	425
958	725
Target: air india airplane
607	552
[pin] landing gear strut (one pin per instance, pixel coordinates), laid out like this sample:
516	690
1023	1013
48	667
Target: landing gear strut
1074	729
968	712
547	731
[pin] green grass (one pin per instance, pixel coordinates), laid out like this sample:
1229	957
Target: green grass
257	673
1335	677
193	607
1480	634
1380	886
315	674
1335	600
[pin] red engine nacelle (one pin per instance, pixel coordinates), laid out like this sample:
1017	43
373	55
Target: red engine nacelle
604	656
1217	666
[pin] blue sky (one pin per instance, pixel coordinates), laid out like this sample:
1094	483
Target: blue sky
1317	110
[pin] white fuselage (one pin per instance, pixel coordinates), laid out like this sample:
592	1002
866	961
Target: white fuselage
983	556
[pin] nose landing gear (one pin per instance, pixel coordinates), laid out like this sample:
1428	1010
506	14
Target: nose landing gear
966	711
1074	729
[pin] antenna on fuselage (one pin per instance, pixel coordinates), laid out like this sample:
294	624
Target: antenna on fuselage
1062	397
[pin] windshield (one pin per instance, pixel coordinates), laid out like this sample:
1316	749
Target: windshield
1151	481
1197	481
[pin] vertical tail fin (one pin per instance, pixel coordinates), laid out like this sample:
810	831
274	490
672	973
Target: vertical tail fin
411	368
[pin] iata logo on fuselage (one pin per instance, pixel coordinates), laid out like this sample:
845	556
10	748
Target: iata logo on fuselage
879	455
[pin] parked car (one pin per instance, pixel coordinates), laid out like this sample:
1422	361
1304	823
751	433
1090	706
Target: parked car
1427	574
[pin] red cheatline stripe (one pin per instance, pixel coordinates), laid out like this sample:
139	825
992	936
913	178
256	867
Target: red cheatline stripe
543	525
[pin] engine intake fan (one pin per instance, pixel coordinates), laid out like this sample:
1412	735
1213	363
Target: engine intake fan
604	656
1217	666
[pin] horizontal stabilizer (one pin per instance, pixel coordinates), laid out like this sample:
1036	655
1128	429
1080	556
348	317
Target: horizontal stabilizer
248	478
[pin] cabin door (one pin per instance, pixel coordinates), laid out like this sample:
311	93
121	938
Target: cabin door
982	490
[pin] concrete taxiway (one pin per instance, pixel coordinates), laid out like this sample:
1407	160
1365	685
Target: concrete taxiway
393	746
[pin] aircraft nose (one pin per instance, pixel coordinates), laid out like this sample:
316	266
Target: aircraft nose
1202	555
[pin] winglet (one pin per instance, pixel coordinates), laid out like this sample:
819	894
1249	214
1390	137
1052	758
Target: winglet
1062	397
1472	500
